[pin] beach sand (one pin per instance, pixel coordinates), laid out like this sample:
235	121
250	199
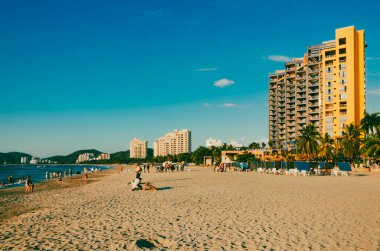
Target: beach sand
199	210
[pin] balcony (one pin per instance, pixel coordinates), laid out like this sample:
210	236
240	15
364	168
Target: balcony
301	121
313	71
313	117
301	102
313	111
313	97
291	69
312	91
273	80
313	104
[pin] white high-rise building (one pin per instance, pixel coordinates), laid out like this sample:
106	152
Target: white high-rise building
213	142
24	160
35	160
104	156
173	143
138	148
85	157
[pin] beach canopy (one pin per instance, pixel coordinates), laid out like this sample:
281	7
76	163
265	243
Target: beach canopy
321	165
344	166
302	165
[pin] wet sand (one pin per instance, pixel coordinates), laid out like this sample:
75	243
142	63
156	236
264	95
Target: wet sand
199	210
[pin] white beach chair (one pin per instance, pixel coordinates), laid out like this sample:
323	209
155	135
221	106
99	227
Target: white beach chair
334	172
259	170
343	173
274	170
303	173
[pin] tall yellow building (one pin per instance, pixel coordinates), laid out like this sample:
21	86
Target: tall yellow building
138	148
173	143
325	88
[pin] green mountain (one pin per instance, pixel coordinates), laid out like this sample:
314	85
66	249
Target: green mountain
120	157
72	157
13	157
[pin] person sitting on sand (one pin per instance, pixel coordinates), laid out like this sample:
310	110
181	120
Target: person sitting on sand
136	183
29	186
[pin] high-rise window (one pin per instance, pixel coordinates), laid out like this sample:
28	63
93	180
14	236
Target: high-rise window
343	89
342	41
343	81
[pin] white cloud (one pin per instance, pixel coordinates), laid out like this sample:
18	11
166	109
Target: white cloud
207	69
375	92
221	83
228	105
206	105
278	58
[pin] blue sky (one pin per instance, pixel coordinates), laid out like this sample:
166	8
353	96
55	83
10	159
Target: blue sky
95	74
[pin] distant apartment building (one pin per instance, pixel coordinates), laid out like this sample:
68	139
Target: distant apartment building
326	88
24	160
104	156
85	157
213	142
35	160
235	144
173	143
138	148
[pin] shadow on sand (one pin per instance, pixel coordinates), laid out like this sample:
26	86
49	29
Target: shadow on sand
164	188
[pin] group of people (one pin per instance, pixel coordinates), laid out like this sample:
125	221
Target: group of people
170	166
161	167
58	175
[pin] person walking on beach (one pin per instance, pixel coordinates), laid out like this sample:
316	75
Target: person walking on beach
70	172
148	167
85	171
29	186
47	175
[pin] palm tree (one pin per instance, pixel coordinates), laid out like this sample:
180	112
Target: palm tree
370	123
308	142
263	145
350	142
216	153
271	144
278	145
371	147
327	147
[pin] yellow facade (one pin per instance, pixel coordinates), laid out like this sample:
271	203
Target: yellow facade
343	81
325	88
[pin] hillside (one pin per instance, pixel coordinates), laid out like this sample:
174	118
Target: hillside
12	157
72	157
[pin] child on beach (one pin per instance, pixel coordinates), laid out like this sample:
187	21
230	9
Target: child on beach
29	186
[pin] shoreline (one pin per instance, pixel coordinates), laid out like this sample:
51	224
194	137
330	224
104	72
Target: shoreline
16	185
12	198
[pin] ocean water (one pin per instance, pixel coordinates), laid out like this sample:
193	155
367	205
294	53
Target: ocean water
38	172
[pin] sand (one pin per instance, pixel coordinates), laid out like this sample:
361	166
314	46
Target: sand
200	210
